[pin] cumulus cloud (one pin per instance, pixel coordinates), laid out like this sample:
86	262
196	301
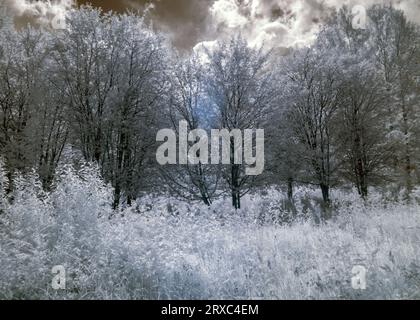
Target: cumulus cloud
38	12
280	23
286	23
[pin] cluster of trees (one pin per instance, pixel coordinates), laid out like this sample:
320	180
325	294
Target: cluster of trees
352	104
344	110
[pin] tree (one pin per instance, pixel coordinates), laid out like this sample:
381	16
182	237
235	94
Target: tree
396	41
241	88
360	126
284	154
361	123
140	90
113	70
22	56
188	102
312	94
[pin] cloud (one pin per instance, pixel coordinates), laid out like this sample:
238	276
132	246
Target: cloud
185	21
226	12
38	12
285	23
279	23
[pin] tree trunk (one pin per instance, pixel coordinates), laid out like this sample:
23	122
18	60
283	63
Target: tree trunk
290	189
117	197
407	151
236	193
361	179
235	176
325	193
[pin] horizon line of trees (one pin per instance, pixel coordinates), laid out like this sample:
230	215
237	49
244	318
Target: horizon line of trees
342	111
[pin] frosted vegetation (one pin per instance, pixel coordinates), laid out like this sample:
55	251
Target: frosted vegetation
340	187
165	248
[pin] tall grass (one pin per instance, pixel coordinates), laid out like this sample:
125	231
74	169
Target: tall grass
164	248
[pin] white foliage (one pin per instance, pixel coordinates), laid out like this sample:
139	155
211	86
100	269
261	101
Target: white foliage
165	248
3	184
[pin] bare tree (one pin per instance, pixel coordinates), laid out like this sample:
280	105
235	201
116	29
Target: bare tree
361	127
397	49
312	94
22	56
241	88
188	103
113	68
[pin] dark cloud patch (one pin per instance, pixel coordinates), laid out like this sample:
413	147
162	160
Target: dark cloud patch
276	13
185	20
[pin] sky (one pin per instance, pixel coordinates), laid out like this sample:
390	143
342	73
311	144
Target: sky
190	23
